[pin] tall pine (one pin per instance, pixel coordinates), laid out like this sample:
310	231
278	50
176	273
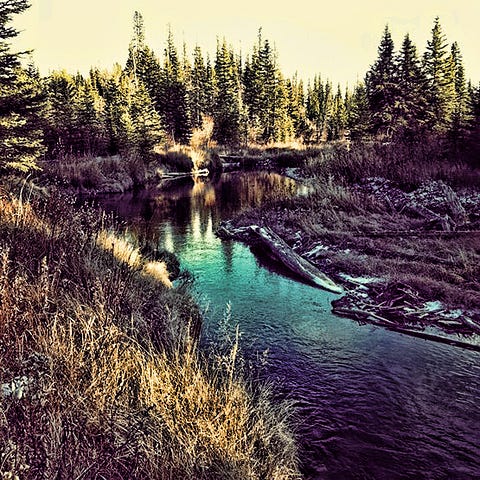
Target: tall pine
358	115
21	100
382	88
460	114
228	105
440	81
413	108
172	97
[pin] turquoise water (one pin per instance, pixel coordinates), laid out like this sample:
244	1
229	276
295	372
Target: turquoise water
370	403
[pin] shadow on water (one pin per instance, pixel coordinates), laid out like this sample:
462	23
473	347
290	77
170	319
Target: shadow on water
371	404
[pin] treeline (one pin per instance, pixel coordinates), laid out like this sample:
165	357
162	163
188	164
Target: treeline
152	100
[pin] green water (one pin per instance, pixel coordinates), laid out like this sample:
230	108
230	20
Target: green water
371	404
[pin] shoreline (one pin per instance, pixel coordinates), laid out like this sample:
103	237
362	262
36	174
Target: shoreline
383	217
380	298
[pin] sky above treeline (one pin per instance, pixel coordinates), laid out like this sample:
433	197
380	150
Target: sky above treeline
337	39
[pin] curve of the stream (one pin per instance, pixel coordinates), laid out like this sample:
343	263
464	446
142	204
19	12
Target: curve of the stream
370	403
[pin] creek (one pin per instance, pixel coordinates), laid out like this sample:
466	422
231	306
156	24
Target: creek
370	403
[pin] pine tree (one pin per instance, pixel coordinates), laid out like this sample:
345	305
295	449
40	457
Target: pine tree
142	64
413	109
266	84
382	88
472	140
199	89
91	120
209	87
21	100
338	120
440	82
61	133
313	113
319	107
282	123
474	104
228	105
253	79
296	107
135	63
172	96
146	126
459	124
265	95
359	116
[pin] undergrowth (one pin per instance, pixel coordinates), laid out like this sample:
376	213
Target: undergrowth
407	164
100	371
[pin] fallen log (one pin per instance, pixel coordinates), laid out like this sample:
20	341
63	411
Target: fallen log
279	250
194	173
373	319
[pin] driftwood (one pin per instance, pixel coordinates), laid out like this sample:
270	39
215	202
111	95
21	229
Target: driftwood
374	319
280	251
194	173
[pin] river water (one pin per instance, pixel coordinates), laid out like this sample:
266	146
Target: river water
370	403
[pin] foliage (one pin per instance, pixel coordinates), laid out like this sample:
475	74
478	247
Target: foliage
265	95
21	100
227	107
173	96
234	102
440	79
382	88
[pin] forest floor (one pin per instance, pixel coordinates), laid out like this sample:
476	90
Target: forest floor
407	253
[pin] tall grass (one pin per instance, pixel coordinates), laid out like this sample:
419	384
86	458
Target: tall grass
108	174
408	164
100	371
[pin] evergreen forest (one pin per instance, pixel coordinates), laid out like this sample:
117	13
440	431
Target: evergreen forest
157	100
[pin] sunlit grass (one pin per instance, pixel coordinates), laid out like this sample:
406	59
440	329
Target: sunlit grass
120	248
100	370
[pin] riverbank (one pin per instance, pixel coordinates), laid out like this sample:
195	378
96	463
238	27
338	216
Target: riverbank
116	174
90	176
100	372
404	246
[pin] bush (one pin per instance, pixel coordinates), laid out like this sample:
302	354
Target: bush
407	164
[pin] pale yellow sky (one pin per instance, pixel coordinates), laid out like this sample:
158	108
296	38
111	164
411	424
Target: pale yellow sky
337	39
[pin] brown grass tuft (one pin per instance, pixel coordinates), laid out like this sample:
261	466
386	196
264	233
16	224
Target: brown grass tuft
100	376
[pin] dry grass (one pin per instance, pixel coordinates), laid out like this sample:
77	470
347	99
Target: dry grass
408	164
338	216
106	174
100	372
158	270
202	137
120	248
181	158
